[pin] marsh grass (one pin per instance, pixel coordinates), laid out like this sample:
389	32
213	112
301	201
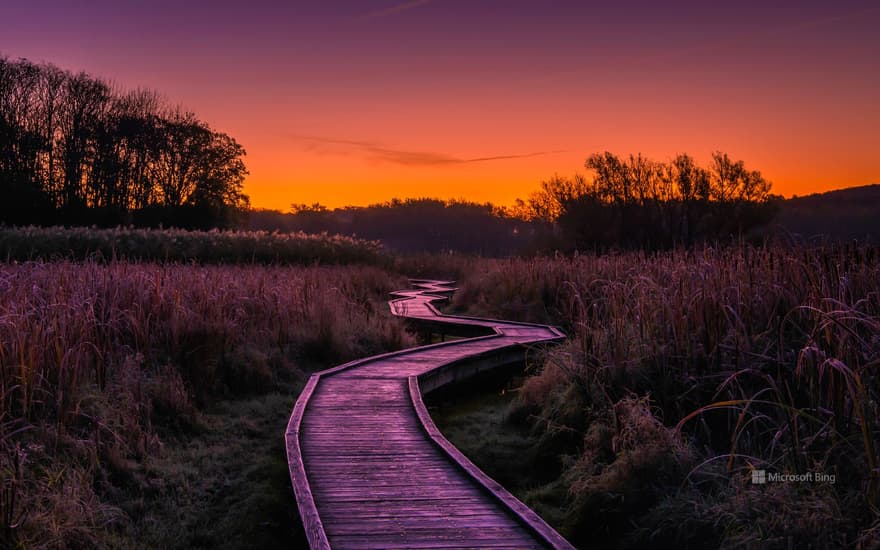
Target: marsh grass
178	245
107	368
687	370
224	486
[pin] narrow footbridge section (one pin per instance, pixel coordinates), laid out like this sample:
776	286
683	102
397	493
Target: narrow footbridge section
369	467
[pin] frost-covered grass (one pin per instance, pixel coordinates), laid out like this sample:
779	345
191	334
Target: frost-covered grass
687	370
108	370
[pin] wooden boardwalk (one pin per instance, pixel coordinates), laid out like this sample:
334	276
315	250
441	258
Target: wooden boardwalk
370	469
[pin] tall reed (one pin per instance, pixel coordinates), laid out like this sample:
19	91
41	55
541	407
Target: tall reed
93	357
751	357
177	245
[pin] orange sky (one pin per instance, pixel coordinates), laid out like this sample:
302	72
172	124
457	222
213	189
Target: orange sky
356	102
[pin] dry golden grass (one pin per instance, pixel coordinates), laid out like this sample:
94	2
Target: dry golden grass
686	370
97	360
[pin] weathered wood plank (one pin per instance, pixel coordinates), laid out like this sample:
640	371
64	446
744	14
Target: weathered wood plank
370	469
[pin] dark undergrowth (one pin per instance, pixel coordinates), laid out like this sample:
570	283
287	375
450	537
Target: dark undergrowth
223	485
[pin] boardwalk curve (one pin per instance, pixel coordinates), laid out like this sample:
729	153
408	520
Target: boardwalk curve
371	470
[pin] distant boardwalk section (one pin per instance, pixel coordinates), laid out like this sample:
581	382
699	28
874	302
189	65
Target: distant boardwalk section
370	469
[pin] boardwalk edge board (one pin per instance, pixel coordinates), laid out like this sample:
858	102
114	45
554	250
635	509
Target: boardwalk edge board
425	293
519	510
305	503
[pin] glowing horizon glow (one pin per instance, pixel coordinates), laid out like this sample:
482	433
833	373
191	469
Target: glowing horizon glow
357	102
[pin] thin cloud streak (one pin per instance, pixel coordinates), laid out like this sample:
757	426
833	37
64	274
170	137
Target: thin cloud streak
393	10
377	152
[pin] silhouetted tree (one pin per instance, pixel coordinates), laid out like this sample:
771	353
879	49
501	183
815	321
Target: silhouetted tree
74	150
690	185
20	144
637	202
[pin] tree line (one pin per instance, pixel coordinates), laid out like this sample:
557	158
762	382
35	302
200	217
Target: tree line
637	202
76	150
628	202
410	225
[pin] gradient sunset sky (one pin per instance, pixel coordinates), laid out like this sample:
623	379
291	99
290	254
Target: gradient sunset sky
355	102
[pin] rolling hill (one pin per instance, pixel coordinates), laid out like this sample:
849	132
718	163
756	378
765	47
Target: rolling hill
843	214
